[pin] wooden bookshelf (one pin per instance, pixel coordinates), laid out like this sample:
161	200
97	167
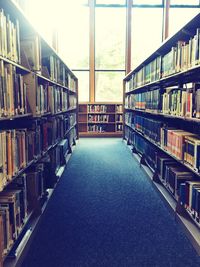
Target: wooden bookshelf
100	119
38	117
161	122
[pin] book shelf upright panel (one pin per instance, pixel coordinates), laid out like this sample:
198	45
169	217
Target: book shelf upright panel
100	119
38	117
162	116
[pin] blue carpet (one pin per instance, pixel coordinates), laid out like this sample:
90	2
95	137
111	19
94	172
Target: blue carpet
104	213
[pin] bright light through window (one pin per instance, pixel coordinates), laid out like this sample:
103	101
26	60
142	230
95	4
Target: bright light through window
146	33
71	20
178	17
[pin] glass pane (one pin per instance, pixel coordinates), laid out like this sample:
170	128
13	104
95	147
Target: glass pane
110	2
71	21
109	86
83	85
178	17
110	38
148	36
147	2
74	36
184	2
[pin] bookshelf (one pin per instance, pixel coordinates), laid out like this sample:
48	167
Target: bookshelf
161	122
38	118
100	119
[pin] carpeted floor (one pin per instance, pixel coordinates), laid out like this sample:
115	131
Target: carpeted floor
104	213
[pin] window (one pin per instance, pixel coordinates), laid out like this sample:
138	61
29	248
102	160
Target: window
74	36
71	21
178	17
147	2
110	38
83	85
184	2
148	35
110	2
109	86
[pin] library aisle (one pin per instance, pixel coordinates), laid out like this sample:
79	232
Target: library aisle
105	213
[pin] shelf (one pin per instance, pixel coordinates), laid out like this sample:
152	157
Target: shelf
103	113
27	219
53	82
100	103
103	134
70	129
16	117
100	122
157	145
17	65
191	230
172	79
165	115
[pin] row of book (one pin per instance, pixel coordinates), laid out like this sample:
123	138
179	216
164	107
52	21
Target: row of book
175	101
98	118
50	66
119	127
172	174
97	108
119	118
182	56
72	101
149	73
180	182
181	144
18	99
58	72
119	108
21	146
52	99
13	100
72	136
150	100
97	128
72	119
9	37
129	119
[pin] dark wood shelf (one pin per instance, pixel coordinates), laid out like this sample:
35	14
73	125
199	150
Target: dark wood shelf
103	134
100	122
109	128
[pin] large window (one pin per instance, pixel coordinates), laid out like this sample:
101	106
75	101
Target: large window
71	21
110	38
83	85
146	32
184	2
147	2
110	2
178	17
74	36
108	86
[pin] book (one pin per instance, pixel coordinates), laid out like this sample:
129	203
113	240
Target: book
32	48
